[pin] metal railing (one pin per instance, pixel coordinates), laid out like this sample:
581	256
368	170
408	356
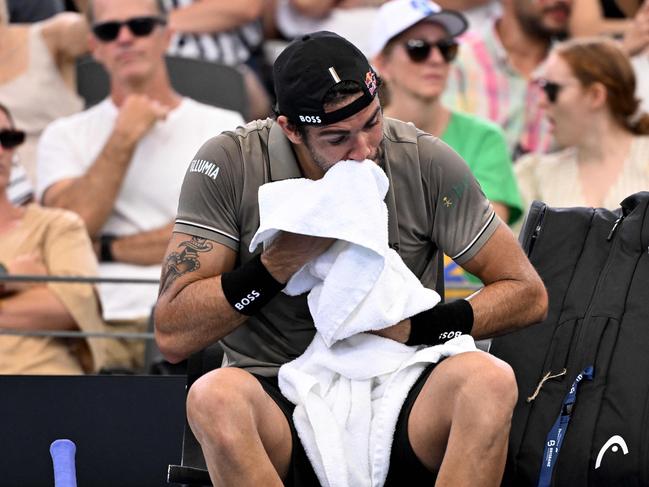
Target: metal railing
76	333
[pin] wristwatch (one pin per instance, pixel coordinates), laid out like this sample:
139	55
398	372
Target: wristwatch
105	247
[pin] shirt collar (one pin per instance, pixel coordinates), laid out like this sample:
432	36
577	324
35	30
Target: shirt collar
283	164
495	46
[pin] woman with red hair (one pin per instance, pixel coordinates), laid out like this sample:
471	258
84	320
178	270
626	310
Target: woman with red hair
596	119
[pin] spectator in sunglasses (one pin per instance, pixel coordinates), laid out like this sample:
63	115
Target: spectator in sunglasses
221	32
120	164
589	100
37	74
415	45
492	76
43	241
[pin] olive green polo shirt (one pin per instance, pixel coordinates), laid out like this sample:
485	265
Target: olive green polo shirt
434	203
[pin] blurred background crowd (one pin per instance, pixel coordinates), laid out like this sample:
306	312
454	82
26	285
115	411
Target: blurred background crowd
103	103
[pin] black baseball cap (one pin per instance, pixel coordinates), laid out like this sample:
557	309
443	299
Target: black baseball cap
309	67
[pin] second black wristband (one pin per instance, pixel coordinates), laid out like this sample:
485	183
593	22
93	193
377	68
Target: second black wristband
250	287
441	323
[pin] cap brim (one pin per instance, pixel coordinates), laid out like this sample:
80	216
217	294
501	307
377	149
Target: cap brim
454	23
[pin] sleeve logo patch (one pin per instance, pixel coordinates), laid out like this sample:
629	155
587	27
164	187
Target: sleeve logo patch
204	167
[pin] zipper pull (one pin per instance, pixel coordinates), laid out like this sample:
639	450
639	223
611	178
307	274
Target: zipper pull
615	225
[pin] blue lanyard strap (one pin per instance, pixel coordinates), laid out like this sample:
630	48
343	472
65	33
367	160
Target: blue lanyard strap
558	431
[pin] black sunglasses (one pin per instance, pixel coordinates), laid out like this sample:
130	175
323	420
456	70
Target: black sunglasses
139	27
550	88
418	50
10	138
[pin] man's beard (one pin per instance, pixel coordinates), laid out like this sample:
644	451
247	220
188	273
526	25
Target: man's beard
534	26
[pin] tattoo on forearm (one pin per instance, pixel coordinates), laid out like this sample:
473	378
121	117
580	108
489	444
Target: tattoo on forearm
184	261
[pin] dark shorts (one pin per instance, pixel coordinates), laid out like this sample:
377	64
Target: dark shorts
403	461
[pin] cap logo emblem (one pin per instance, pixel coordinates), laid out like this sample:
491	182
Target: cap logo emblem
423	6
334	75
370	82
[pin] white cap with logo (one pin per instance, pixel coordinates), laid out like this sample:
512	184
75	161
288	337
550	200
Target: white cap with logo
396	16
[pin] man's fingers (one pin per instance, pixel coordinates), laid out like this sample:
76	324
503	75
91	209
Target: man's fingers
290	251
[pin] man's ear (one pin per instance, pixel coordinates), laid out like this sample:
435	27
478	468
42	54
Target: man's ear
93	44
168	33
289	130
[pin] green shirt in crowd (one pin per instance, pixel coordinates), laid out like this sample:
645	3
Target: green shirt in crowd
482	145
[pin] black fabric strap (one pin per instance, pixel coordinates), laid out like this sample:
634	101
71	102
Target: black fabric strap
105	248
250	287
348	110
441	323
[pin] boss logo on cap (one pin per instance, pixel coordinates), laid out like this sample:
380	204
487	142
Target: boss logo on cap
309	118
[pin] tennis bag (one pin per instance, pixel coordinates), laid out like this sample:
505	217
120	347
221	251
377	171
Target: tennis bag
582	416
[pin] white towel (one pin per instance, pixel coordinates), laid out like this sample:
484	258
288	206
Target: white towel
348	398
349	386
367	285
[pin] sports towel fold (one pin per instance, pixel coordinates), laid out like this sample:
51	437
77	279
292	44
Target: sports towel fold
349	386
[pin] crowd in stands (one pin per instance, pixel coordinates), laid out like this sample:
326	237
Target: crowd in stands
39	241
544	99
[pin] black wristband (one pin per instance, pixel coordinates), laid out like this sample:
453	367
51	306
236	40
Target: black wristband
441	323
105	249
250	287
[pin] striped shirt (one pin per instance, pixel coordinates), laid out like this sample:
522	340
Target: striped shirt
483	82
233	47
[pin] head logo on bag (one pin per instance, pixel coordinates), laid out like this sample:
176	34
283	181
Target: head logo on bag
614	443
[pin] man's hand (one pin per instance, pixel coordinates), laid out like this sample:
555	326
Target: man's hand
290	251
399	332
137	116
26	264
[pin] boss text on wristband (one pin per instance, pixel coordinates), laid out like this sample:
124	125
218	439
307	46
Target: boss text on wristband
250	287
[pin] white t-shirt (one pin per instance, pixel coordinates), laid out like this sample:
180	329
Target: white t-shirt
149	195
